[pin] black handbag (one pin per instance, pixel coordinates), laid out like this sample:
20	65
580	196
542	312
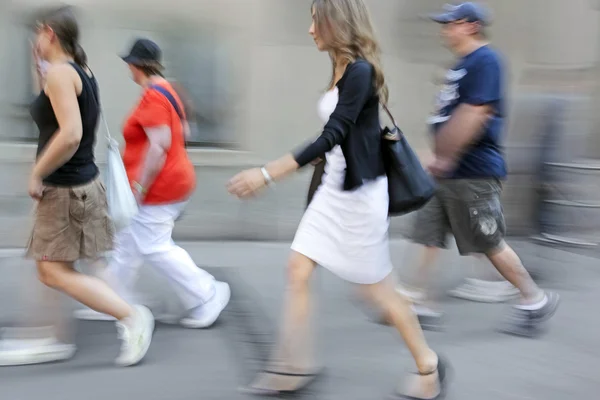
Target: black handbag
410	187
315	182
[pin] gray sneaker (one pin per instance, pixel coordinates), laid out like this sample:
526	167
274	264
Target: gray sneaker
530	323
485	291
429	319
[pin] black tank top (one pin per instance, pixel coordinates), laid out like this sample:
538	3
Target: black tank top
81	168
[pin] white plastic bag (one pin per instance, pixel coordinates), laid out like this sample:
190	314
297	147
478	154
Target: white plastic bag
122	206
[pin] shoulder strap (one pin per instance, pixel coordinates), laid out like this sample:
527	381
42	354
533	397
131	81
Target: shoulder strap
169	97
95	95
395	133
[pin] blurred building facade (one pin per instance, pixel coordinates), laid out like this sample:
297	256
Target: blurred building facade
255	77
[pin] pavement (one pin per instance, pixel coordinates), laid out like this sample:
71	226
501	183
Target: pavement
363	360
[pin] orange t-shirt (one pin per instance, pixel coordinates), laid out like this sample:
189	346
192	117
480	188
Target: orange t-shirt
176	180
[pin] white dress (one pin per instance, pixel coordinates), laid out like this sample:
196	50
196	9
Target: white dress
346	231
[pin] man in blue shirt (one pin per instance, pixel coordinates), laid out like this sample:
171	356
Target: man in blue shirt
467	128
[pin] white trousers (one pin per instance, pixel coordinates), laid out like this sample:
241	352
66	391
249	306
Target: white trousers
148	239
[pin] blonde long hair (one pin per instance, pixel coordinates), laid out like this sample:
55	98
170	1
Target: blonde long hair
347	28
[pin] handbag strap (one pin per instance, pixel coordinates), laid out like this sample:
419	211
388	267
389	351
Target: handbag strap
395	133
174	103
109	137
106	130
158	88
169	97
389	113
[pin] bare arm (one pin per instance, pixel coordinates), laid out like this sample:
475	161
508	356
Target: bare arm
61	89
352	98
159	138
282	167
463	129
37	79
479	102
39	69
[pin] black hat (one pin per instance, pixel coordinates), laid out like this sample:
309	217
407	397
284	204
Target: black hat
144	52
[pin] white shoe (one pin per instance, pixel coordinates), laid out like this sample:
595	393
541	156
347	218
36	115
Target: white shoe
485	291
415	296
136	335
87	314
427	312
207	314
16	352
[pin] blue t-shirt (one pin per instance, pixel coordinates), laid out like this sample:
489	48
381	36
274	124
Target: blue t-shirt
477	79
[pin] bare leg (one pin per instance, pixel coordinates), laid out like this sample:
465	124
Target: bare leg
41	316
40	310
423	297
424	271
58	321
88	290
398	310
483	283
401	315
294	351
483	272
509	265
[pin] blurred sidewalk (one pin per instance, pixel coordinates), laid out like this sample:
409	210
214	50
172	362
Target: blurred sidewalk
549	264
364	360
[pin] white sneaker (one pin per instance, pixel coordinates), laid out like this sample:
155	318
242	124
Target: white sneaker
424	311
414	295
207	314
136	335
87	314
485	291
16	352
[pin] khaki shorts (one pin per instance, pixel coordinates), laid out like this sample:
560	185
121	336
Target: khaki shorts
470	209
71	223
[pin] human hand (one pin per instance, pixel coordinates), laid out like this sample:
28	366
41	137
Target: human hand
247	183
41	65
425	156
440	167
35	51
138	197
36	187
139	193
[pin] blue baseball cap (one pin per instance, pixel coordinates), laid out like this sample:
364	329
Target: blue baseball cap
471	12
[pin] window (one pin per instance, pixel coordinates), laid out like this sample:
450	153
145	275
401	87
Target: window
18	84
197	61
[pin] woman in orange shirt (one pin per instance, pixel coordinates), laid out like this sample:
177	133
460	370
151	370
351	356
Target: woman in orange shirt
163	179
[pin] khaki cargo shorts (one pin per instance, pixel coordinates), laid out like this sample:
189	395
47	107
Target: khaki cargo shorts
470	209
71	223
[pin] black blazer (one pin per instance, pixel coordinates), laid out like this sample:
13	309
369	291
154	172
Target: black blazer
354	125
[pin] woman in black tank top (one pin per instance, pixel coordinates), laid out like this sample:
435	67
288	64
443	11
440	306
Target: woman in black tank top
80	167
72	221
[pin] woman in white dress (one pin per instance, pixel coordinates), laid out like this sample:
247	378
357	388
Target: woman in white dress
345	228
